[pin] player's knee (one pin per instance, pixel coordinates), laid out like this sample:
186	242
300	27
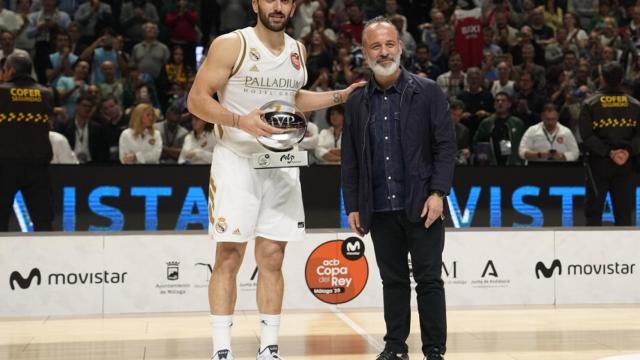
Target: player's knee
270	260
228	260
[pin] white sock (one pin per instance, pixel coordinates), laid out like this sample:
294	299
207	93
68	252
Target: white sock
221	331
269	328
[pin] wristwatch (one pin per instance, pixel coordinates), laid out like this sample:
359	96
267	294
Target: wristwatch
438	193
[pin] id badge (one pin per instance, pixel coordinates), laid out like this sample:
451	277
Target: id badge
505	147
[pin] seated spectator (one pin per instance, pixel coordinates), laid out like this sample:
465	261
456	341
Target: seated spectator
328	149
110	86
62	153
199	143
141	143
421	63
490	41
70	88
548	140
504	83
529	65
502	132
582	77
542	33
85	136
133	83
182	23
114	122
172	134
463	138
150	55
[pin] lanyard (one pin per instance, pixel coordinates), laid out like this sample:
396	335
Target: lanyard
551	140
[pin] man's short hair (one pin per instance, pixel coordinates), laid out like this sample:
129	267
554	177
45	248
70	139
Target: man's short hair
84	97
612	73
505	94
21	63
549	107
374	21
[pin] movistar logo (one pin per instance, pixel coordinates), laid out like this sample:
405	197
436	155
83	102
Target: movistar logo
547	272
16	277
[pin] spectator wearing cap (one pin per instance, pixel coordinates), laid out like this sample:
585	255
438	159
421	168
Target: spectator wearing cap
172	134
548	140
502	132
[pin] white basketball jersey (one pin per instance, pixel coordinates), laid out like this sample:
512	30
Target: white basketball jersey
258	77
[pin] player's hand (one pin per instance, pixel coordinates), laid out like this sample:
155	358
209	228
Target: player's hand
354	222
346	92
432	210
254	125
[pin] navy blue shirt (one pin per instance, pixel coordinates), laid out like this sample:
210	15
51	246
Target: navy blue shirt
386	149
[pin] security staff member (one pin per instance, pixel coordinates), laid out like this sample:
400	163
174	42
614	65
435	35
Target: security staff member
25	150
610	128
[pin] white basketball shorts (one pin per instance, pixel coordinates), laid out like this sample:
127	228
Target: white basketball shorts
245	202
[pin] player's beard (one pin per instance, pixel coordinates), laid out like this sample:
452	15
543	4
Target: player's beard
385	70
264	19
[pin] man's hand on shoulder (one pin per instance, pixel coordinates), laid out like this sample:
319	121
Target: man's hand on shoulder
343	95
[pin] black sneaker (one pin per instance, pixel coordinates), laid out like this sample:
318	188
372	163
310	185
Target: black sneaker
434	357
390	355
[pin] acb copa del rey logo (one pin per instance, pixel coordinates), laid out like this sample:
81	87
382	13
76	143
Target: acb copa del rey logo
337	271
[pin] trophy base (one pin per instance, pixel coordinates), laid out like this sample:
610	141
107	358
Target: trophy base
273	160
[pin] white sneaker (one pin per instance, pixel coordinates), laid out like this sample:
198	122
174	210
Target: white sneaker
269	353
223	355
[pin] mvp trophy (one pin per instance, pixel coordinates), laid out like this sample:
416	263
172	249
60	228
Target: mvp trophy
293	126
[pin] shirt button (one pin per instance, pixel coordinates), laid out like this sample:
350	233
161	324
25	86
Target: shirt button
389	178
387	158
388	197
393	196
386	138
385	98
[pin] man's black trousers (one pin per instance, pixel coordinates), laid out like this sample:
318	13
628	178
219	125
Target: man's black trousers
606	176
394	238
34	182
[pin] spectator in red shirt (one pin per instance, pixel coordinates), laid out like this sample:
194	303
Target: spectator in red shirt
182	23
355	25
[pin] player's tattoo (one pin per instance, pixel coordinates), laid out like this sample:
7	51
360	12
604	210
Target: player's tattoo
337	98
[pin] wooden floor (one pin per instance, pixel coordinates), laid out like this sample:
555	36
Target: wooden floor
540	333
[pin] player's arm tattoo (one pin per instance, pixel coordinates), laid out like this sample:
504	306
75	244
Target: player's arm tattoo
236	120
337	97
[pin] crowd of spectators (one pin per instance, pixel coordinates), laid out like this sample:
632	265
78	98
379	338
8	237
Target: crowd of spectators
121	70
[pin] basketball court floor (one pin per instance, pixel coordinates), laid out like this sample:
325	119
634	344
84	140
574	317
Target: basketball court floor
479	333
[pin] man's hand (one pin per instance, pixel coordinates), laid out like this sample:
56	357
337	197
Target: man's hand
558	156
432	210
619	156
354	222
254	125
129	158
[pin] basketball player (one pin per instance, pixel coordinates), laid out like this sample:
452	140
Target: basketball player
248	68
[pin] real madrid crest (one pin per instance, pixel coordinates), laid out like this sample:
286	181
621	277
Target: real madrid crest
295	60
221	225
254	54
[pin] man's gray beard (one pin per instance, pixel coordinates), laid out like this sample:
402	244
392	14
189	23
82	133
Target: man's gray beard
385	70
